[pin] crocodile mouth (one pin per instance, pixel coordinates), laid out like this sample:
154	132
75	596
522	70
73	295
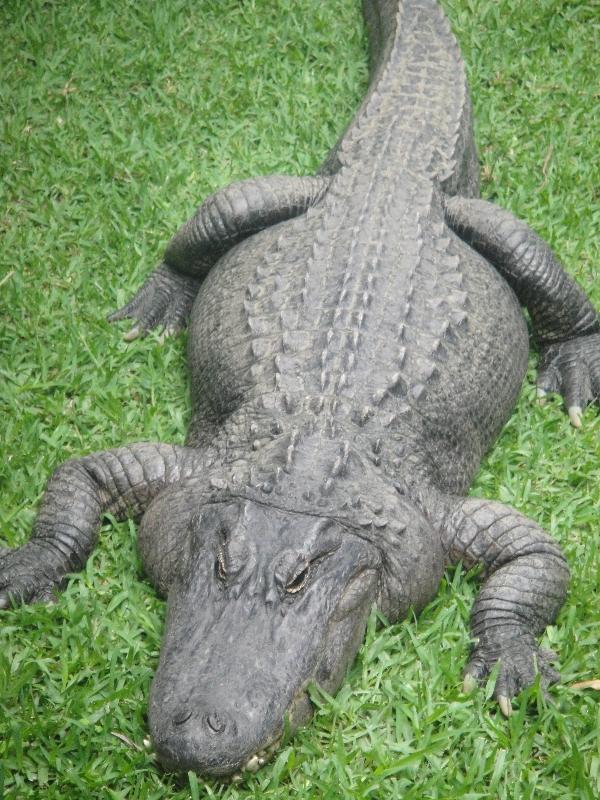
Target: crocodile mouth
257	760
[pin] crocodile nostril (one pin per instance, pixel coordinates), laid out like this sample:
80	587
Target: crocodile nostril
216	722
182	716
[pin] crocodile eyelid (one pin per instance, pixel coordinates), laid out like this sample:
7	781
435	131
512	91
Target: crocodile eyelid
299	581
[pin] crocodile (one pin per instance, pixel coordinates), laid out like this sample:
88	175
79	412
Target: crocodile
356	343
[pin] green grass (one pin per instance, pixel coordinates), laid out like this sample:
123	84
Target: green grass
117	118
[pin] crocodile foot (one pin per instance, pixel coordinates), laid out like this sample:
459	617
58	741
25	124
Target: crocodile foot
28	574
572	369
521	661
164	301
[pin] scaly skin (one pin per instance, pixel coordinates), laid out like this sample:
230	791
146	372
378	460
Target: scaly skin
356	344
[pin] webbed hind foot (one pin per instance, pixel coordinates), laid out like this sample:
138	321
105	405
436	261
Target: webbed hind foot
164	301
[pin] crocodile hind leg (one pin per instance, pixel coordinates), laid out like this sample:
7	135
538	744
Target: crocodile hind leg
526	578
121	482
566	325
224	219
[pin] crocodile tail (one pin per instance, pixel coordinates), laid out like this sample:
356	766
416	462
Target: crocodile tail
417	87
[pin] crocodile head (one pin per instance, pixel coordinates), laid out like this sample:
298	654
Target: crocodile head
266	603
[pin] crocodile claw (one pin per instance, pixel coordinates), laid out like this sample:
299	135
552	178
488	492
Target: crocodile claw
505	705
575	416
132	334
572	369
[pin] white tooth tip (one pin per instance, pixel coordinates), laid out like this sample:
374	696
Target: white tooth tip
236	778
147	742
252	764
541	396
575	416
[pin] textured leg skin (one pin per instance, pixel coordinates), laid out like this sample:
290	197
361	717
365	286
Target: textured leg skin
121	482
526	579
566	325
224	219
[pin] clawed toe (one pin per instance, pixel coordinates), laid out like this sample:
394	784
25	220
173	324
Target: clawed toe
520	663
572	369
163	302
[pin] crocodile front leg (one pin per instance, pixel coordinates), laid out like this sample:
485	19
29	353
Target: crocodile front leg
566	325
223	220
121	482
526	578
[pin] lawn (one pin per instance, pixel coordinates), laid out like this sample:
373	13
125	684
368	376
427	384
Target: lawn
117	119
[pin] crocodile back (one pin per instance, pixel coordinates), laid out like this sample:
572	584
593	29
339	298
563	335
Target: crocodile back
357	322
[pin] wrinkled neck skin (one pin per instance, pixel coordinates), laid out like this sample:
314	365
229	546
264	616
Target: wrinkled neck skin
268	601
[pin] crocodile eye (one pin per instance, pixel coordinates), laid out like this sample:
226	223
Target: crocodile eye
220	566
299	581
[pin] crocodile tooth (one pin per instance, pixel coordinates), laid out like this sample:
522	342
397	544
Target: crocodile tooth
252	764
